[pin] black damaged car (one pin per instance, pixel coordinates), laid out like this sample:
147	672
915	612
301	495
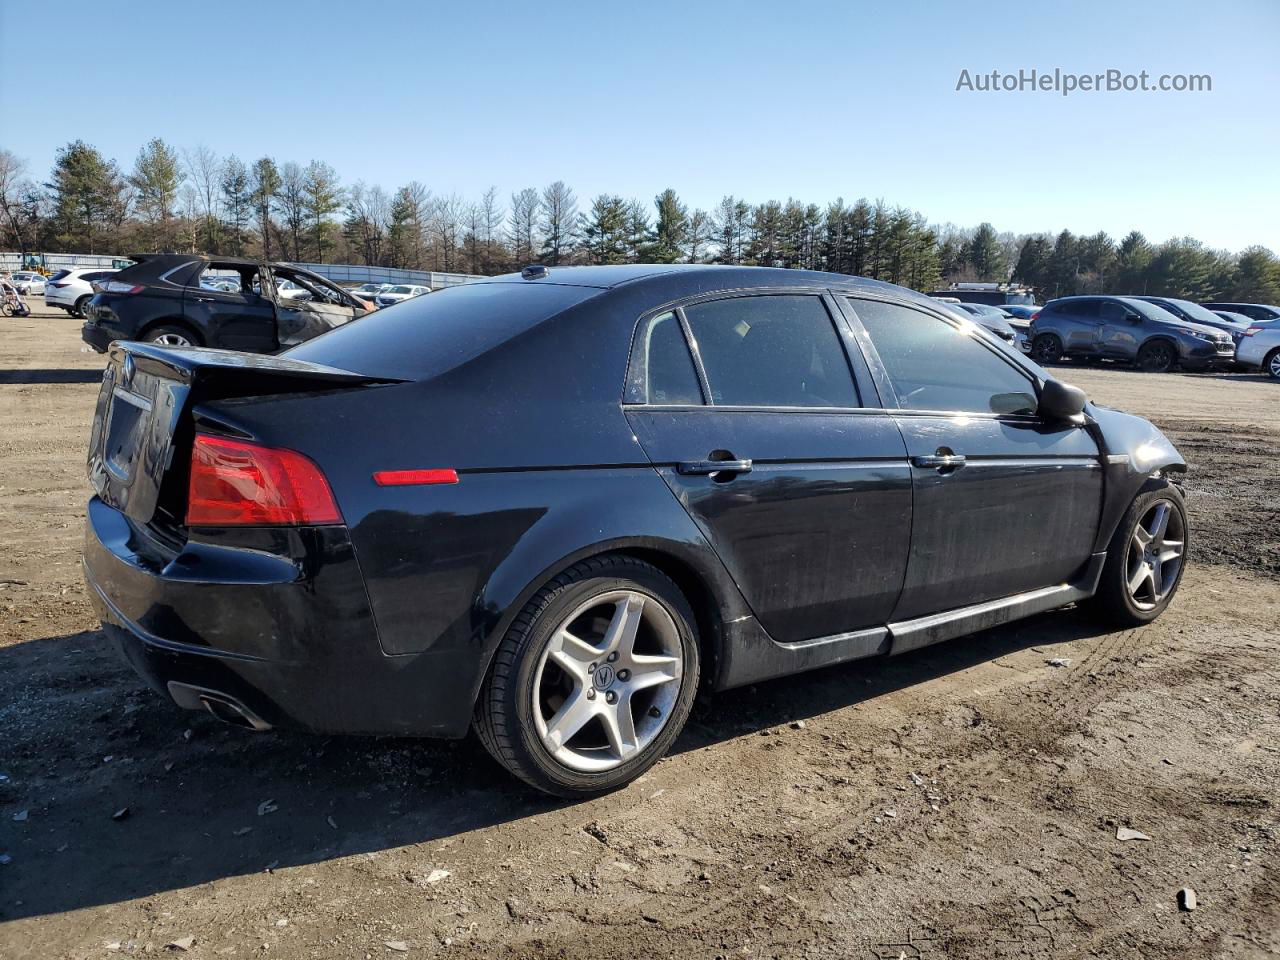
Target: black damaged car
550	506
182	300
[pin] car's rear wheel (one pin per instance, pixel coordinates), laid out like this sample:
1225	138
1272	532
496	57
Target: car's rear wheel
1272	364
1145	560
1046	348
1157	357
593	681
167	335
78	309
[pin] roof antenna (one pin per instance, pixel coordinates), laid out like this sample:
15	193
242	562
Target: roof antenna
535	271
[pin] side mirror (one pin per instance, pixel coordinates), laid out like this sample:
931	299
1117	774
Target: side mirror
1134	318
1061	401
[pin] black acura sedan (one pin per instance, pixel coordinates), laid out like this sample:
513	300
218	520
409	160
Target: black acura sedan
551	505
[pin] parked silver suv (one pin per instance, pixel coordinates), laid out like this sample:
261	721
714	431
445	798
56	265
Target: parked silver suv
1125	328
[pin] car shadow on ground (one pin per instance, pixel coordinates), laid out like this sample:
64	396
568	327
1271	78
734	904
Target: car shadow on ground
49	376
126	796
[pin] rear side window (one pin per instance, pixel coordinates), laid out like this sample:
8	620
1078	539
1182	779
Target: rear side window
777	351
662	370
936	366
426	336
1078	308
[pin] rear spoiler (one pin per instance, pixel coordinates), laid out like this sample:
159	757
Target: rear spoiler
229	373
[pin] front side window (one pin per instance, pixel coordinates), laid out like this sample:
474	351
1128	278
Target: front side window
775	351
662	370
1112	312
936	366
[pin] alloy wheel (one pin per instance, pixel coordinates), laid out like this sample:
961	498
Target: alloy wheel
607	682
1273	365
1046	349
171	340
1155	555
1157	358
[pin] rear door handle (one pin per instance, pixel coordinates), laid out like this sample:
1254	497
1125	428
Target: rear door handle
941	461
695	467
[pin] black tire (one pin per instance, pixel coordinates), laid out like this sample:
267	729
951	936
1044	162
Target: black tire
6	309
504	715
1046	348
78	309
1271	365
1158	356
1114	603
167	330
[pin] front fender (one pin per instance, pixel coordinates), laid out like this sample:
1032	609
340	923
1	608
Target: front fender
1134	454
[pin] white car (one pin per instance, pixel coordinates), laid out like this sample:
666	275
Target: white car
400	292
28	283
1260	347
370	291
70	290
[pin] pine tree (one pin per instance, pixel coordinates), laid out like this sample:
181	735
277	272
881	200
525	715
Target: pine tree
986	255
671	230
322	198
157	176
88	194
264	186
1257	277
604	230
237	200
559	222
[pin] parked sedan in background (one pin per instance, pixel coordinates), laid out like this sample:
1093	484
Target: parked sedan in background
1194	313
341	538
1260	347
370	291
400	293
72	289
1257	312
994	319
1021	311
182	300
28	283
1126	328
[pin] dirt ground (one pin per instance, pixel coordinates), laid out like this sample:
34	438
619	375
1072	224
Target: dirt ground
959	802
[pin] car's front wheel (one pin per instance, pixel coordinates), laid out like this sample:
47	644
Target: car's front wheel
1145	560
594	680
1157	357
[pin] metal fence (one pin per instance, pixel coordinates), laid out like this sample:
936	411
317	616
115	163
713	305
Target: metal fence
348	273
359	273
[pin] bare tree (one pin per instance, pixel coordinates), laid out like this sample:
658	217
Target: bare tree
446	217
292	198
698	235
204	175
13	187
522	223
492	215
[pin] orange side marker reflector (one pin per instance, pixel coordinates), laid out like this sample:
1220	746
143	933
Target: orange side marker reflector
413	478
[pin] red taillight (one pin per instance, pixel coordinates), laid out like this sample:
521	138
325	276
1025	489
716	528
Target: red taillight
411	478
1034	315
115	286
237	484
1252	330
59	286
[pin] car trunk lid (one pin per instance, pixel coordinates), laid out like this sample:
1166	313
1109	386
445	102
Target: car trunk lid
142	424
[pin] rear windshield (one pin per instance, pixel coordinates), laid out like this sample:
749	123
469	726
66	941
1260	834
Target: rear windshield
426	336
59	275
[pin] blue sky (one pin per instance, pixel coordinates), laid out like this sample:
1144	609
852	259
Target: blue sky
761	100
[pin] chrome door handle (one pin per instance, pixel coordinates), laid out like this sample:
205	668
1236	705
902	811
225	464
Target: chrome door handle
695	467
941	461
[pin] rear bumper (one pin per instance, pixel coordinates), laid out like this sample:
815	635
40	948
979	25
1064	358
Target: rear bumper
274	630
97	337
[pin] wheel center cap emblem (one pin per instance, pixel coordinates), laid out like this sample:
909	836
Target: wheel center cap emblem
603	677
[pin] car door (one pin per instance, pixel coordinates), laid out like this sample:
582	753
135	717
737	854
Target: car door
1004	502
318	310
1081	325
801	487
240	319
1120	331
